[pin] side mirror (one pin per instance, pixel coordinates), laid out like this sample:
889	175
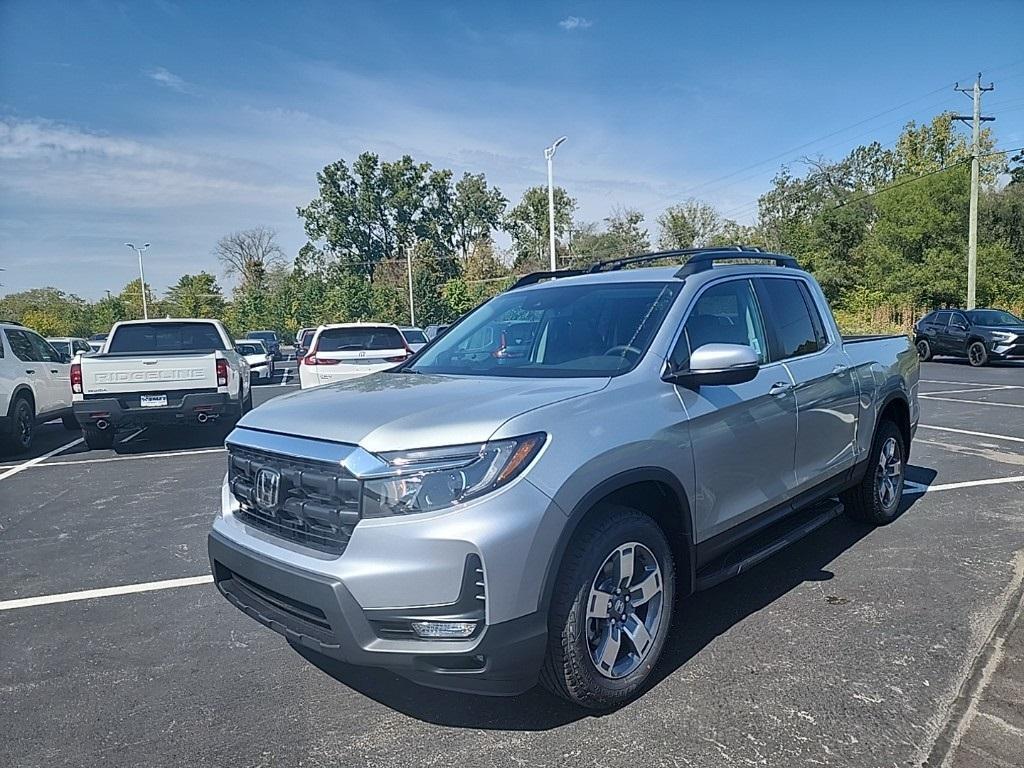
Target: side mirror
717	365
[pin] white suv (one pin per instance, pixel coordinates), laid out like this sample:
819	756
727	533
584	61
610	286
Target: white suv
35	386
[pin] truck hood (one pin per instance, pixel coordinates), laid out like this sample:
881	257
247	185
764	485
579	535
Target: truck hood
394	411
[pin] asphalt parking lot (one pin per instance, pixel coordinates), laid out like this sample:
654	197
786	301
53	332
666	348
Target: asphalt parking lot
855	647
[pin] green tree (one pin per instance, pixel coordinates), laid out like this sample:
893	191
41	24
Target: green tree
689	224
528	225
196	296
49	311
250	255
477	212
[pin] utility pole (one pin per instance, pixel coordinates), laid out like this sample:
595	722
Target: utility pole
142	277
408	266
974	93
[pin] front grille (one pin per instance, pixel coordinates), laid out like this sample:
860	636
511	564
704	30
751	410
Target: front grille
317	503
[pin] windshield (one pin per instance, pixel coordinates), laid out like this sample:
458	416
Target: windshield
166	337
64	347
558	331
414	336
993	317
358	339
264	335
250	349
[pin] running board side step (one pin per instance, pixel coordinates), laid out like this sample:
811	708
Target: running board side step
767	543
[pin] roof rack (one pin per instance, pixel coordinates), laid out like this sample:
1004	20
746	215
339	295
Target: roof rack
705	260
536	277
699	260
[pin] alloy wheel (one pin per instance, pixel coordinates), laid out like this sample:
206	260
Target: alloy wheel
889	473
624	610
976	354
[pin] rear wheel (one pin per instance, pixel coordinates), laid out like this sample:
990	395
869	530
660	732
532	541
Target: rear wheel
22	429
924	350
611	610
98	439
876	498
977	355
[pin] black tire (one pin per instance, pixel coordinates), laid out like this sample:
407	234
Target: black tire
924	350
864	501
977	354
22	429
98	439
570	670
247	403
70	423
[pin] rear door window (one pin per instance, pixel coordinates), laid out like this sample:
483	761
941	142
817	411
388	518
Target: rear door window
22	346
359	339
788	317
942	318
166	337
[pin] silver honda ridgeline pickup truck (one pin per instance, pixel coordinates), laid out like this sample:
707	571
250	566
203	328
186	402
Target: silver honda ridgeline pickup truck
529	495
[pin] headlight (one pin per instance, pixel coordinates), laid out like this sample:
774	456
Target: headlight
1003	336
435	478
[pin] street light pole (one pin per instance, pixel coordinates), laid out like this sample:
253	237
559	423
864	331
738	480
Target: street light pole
408	267
549	155
142	277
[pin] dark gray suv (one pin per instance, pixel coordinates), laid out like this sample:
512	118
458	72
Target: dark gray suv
980	335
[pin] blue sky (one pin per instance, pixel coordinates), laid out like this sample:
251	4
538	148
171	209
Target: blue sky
177	122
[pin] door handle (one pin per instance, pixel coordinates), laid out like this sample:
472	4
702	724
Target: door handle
839	370
30	370
54	370
780	388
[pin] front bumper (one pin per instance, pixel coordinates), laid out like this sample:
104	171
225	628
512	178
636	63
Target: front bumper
1004	350
125	411
317	612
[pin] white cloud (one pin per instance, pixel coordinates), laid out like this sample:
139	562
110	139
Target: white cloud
571	23
168	79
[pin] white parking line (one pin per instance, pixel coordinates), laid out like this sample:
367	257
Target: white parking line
89	594
284	379
969	402
975	434
33	462
134	434
123	458
961	391
970	383
915	488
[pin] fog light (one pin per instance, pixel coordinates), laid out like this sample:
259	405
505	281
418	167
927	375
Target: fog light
444	629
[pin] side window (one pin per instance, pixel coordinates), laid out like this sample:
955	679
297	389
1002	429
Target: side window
82	346
942	318
726	313
45	352
959	320
22	346
787	314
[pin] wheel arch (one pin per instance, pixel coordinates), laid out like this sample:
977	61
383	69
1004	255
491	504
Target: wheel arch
896	408
22	390
655	491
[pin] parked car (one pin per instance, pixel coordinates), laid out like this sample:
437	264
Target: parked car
302	341
415	339
261	362
101	337
70	346
270	338
432	331
173	371
980	335
486	524
350	351
34	386
96	346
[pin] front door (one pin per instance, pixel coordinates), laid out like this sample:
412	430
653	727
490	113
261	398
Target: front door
743	435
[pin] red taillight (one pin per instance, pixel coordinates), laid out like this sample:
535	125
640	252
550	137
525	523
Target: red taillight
76	378
312	359
399	359
222	372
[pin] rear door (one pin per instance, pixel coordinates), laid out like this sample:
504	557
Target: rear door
354	351
956	333
743	435
939	331
57	372
825	386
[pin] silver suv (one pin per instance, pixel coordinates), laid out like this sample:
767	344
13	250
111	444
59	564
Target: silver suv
477	520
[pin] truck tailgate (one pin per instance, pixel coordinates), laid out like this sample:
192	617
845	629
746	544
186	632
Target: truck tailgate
114	374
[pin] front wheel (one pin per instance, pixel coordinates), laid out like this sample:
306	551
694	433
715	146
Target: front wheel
876	498
611	610
924	350
977	355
